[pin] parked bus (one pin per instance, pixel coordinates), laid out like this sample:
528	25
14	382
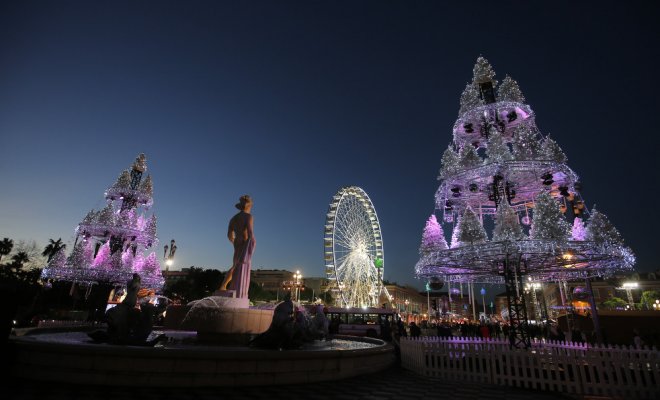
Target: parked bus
359	321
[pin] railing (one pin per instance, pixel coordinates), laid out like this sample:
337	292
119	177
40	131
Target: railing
573	368
54	323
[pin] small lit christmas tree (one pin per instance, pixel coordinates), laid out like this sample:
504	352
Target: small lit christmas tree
507	225
483	71
58	260
579	231
509	91
550	150
497	151
471	231
450	163
455	241
548	222
470	98
526	144
433	238
469	157
601	231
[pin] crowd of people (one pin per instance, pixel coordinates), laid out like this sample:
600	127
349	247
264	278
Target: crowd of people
488	329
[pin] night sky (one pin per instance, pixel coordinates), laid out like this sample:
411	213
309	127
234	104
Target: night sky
289	101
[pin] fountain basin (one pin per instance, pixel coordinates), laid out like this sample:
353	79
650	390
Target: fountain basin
70	357
232	324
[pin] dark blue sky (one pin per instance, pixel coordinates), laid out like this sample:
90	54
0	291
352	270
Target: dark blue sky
289	101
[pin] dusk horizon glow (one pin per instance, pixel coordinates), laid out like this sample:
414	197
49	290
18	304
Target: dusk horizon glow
290	101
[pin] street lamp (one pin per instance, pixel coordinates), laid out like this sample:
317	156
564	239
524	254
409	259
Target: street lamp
628	287
532	287
406	310
169	255
296	284
483	299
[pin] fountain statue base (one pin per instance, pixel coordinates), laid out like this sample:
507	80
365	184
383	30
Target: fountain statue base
223	319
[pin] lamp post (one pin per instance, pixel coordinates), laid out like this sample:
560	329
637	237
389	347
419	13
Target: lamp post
169	254
296	284
628	287
532	287
483	299
406	310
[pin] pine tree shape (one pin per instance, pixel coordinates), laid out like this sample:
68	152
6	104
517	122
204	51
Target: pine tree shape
509	91
433	238
115	264
141	223
601	231
450	163
107	216
471	231
124	218
151	226
88	251
497	150
550	150
58	260
90	218
548	221
507	225
147	186
526	145
579	231
469	99
483	71
151	268
102	259
469	157
455	241
127	259
80	257
138	263
123	181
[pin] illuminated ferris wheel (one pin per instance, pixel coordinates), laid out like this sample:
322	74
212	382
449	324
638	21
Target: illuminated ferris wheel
353	245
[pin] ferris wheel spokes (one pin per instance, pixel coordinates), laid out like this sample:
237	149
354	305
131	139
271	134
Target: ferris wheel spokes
353	247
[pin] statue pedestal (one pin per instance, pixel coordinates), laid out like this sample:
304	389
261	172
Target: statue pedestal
224	293
226	320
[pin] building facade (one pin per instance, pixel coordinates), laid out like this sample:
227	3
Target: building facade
408	302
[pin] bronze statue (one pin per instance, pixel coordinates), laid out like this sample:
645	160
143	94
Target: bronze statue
131	322
241	235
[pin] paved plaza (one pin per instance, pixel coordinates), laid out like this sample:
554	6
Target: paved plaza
394	383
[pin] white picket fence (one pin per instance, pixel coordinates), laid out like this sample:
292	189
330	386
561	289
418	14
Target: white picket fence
572	368
54	323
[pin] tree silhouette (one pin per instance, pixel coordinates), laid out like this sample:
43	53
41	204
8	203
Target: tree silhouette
52	248
5	247
18	260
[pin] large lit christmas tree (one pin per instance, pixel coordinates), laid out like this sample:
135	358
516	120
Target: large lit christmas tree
501	167
111	243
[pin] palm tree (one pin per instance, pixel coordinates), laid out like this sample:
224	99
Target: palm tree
18	260
5	247
53	247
